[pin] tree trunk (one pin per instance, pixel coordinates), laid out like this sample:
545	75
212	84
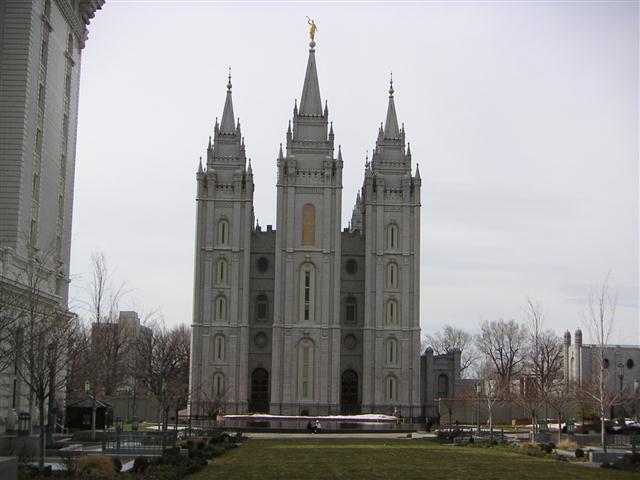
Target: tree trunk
41	434
93	419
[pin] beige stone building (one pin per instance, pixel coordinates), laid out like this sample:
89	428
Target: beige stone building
41	44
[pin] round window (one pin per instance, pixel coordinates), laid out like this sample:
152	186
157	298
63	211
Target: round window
260	340
263	264
351	266
350	342
630	364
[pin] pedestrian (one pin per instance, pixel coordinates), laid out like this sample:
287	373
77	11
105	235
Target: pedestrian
318	426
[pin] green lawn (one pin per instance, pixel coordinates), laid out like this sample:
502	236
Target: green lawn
387	459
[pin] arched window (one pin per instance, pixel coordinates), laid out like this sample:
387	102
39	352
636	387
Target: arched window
443	385
392	275
391	312
221	309
308	224
217	390
351	310
305	369
307	292
392	351
392	236
218	348
223	233
261	308
391	388
222	272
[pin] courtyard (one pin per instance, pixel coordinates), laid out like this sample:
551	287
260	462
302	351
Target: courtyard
324	458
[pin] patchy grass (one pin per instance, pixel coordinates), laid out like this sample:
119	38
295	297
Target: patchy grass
385	459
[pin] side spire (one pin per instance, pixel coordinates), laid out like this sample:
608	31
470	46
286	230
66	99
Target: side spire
227	125
310	101
391	124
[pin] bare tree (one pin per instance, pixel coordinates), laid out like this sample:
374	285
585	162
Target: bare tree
43	342
599	318
451	338
544	360
163	366
562	398
104	369
11	309
503	345
494	392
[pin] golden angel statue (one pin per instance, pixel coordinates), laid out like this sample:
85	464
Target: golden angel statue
312	28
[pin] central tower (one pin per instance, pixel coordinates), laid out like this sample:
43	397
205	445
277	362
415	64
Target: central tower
306	321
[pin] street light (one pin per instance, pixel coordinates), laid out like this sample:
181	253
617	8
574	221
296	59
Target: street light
636	391
620	369
88	392
478	390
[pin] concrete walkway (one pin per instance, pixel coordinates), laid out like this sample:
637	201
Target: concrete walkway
333	436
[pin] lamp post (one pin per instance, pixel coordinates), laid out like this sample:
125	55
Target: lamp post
636	391
620	370
478	390
88	392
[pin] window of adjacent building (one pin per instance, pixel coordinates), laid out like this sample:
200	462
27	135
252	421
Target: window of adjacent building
392	236
308	224
221	309
392	275
218	385
261	308
218	348
392	351
33	232
223	233
307	292
38	141
43	51
443	385
221	272
391	312
41	97
350	310
391	390
305	369
36	187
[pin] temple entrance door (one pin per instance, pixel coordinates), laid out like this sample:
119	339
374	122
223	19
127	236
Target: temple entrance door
259	401
349	404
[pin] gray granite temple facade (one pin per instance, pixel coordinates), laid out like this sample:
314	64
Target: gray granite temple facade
309	318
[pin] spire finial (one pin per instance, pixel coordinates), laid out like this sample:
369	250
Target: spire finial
229	77
312	32
391	85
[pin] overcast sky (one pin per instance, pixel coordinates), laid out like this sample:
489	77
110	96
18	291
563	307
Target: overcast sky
522	116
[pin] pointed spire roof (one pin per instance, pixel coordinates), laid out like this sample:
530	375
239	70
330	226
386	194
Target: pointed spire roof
228	124
391	124
310	102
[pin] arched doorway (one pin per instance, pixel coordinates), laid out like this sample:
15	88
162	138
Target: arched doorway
259	400
349	404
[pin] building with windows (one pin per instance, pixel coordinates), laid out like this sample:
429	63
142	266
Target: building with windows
621	364
309	318
41	43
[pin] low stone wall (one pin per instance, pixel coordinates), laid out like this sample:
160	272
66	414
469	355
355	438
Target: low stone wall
8	468
600	457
